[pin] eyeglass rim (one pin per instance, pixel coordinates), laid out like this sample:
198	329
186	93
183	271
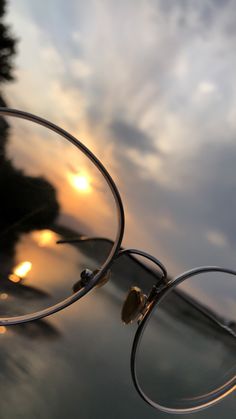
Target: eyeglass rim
140	332
4	111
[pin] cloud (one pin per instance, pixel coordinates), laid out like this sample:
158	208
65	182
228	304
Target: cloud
206	87
216	238
132	93
130	136
80	69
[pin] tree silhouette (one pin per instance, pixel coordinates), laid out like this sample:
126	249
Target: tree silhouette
7	52
27	203
7	47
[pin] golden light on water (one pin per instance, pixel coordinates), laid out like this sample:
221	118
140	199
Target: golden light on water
3	330
45	237
80	182
20	271
14	278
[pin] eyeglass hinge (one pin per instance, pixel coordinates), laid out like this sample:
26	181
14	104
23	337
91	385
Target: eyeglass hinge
160	285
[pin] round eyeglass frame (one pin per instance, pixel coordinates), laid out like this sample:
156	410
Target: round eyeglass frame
170	286
119	210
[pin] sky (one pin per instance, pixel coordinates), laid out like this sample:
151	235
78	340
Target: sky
150	88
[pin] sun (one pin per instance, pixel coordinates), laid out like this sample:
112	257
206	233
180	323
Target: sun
80	182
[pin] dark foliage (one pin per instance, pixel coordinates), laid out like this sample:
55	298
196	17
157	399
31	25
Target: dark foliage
26	202
7	47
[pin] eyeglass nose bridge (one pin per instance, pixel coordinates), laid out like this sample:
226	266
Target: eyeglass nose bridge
146	256
137	304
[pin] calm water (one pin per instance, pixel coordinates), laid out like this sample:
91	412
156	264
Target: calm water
76	364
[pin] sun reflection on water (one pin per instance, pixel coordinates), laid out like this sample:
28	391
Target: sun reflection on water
20	271
3	330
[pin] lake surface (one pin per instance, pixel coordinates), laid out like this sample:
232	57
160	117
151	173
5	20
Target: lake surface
76	363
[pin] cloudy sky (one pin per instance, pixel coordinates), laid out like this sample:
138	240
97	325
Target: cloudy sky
150	87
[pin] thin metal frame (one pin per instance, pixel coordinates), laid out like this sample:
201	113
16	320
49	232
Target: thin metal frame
159	291
160	295
120	217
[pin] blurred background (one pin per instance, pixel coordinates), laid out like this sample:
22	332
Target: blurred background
149	87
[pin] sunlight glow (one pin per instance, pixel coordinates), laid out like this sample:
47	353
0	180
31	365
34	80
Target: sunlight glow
80	182
3	330
20	271
45	237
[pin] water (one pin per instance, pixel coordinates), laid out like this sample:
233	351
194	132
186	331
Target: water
76	363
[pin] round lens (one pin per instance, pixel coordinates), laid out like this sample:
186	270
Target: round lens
53	194
186	357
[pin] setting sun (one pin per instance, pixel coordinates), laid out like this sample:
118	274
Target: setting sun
80	182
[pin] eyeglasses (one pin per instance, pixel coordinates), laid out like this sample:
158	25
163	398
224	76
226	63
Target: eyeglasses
57	202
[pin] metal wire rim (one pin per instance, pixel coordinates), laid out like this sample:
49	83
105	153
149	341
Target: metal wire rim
120	214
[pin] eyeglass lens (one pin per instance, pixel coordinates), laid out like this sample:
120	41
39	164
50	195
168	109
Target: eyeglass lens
50	191
187	354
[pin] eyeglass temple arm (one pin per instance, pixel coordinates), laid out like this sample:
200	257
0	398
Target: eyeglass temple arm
220	321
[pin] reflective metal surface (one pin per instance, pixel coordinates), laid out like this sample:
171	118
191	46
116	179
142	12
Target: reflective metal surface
133	305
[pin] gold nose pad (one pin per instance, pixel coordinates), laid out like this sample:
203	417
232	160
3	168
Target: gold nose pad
87	275
133	306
